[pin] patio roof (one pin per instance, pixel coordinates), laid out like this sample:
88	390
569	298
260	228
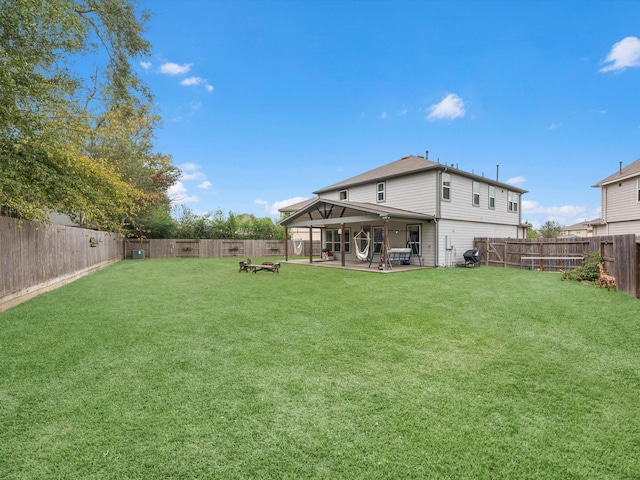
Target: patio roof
323	212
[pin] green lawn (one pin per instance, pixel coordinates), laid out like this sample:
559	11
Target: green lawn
188	369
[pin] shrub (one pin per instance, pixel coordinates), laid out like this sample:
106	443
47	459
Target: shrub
589	272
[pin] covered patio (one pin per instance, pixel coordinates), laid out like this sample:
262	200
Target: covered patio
357	265
381	233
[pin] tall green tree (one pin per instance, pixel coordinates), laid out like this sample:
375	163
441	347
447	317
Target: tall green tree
77	145
531	232
550	229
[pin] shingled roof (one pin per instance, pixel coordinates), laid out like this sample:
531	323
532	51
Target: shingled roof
630	171
405	166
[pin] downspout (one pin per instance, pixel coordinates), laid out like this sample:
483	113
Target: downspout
436	220
524	234
604	207
311	244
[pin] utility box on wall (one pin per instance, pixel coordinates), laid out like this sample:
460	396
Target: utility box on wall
137	254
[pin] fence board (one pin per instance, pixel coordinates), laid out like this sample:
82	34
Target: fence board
621	254
36	257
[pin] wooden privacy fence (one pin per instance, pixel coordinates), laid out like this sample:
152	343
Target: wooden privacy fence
621	255
36	258
162	248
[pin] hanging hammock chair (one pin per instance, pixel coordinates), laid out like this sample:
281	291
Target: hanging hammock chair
297	245
357	238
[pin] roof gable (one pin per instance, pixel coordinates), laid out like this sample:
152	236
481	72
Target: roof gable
334	212
630	171
404	166
407	166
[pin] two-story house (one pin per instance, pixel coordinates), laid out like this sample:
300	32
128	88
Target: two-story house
620	197
434	209
577	230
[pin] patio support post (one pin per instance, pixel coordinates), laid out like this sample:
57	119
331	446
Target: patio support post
342	244
286	244
311	244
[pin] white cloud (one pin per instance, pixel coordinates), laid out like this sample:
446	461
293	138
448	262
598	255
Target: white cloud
178	194
191	81
192	176
145	65
516	180
189	167
451	107
402	113
553	126
272	209
194	81
624	54
383	116
171	68
564	214
206	184
191	171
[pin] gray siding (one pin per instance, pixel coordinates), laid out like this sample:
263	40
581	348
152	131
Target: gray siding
460	206
417	193
621	201
618	228
462	234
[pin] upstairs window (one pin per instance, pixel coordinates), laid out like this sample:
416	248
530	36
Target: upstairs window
476	194
446	186
343	195
380	192
513	202
492	196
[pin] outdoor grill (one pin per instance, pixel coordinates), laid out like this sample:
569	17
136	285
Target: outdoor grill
472	257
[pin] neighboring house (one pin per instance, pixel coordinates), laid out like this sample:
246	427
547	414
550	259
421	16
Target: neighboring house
620	197
577	230
434	209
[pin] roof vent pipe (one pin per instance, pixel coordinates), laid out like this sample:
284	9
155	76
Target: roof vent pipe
497	171
426	155
620	168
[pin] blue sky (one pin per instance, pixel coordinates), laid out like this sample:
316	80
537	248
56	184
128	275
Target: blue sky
264	102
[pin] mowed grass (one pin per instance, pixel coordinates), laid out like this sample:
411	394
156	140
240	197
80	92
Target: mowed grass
188	369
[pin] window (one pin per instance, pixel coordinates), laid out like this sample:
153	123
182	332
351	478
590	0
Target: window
513	202
413	239
343	195
380	190
446	186
492	196
332	240
476	194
